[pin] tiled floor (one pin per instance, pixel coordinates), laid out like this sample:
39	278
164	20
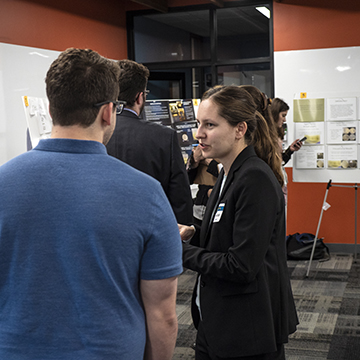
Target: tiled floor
328	304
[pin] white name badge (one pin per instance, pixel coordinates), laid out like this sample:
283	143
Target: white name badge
219	212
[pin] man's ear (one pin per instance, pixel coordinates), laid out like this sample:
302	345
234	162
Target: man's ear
241	129
139	98
106	112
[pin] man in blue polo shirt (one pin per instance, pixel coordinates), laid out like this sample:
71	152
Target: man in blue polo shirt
89	247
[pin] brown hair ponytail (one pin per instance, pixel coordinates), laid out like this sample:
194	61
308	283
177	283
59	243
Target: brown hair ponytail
266	147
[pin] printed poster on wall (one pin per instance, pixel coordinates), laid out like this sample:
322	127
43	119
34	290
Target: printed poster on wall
341	109
181	110
311	157
342	156
196	103
314	132
38	118
186	133
157	111
309	110
342	132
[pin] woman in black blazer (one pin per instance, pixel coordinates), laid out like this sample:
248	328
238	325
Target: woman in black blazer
242	303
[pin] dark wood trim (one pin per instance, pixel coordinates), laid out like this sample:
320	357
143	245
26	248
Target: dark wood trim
160	5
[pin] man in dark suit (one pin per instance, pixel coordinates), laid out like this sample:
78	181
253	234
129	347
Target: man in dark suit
149	147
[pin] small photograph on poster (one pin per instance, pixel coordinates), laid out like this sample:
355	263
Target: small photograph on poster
310	157
186	153
186	136
309	110
338	132
313	131
177	111
157	111
341	109
38	118
342	157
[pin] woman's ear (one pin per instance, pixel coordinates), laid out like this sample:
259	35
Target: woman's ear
241	129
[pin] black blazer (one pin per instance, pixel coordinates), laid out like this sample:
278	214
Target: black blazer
154	149
246	300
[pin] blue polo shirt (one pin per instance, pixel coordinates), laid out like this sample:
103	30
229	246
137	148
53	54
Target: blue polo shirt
78	230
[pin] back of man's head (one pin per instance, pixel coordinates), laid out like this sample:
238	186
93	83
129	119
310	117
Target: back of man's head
76	81
133	80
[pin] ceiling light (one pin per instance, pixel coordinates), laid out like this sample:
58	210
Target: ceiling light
37	53
343	68
264	10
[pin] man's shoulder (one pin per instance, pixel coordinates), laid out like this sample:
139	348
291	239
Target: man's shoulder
19	160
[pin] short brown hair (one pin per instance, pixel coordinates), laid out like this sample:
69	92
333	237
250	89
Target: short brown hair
75	81
133	79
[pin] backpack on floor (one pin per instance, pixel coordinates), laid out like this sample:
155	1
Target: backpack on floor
299	247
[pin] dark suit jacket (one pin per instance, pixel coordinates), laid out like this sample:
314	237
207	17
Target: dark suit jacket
154	149
246	301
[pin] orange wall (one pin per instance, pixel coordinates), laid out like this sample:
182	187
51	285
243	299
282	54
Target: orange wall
40	23
30	24
299	27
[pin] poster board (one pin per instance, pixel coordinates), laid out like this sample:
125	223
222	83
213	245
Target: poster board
22	73
38	118
332	145
180	115
332	75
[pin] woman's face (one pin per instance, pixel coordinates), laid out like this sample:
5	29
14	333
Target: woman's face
282	118
217	138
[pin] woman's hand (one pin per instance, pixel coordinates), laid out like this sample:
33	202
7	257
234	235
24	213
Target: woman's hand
296	145
197	154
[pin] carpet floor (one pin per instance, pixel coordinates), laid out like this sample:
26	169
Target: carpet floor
328	305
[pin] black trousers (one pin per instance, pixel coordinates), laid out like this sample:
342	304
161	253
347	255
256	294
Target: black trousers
203	351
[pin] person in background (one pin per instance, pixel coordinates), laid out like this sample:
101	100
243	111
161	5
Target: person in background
90	250
203	172
242	305
279	111
149	147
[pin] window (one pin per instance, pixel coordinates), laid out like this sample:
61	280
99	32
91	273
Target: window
204	46
243	33
172	37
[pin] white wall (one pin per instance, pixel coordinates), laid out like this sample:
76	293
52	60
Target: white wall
321	73
22	72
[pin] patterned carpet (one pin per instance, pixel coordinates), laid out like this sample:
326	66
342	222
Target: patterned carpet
328	305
